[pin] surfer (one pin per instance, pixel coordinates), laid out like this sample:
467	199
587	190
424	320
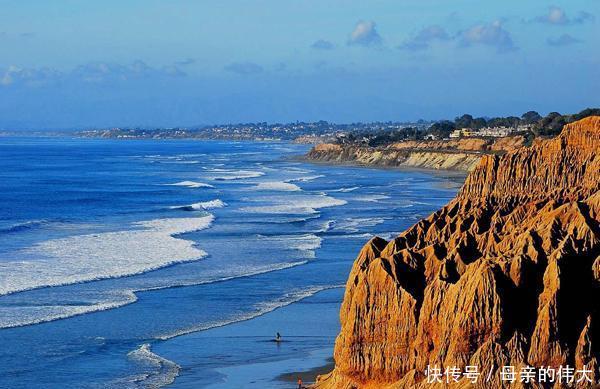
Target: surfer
278	337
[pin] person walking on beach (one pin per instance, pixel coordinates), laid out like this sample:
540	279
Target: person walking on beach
299	383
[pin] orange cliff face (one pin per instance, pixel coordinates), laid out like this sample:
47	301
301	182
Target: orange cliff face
508	273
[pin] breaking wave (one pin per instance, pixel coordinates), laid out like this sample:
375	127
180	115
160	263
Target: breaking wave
372	198
296	205
355	224
305	178
149	245
163	372
202	206
231	175
191	184
278	186
25	316
345	190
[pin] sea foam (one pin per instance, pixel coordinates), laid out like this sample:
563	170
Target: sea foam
191	184
277	186
163	371
345	190
150	245
232	175
19	316
305	178
202	206
372	198
355	224
296	205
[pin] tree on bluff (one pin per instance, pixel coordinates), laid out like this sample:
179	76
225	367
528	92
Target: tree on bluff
530	117
442	129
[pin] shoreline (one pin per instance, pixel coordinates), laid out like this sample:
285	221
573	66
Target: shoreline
455	176
305	348
308	376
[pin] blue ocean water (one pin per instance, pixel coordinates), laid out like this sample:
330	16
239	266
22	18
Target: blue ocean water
153	263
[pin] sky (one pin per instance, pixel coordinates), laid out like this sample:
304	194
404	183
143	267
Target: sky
79	64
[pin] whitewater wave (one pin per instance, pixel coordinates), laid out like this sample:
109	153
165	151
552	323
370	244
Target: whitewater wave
355	224
305	178
191	184
232	175
163	371
296	205
150	245
307	243
327	226
345	190
202	206
278	186
353	236
372	198
172	159
259	310
19	316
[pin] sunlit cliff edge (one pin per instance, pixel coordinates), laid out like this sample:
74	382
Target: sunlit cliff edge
508	273
462	154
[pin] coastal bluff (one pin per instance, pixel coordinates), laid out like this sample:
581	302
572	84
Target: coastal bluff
460	154
506	274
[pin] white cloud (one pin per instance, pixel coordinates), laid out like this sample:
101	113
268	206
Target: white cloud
365	34
423	39
492	34
558	16
15	75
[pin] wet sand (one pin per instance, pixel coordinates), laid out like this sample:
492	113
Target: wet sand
308	376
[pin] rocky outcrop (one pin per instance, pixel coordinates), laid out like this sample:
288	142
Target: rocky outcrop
461	154
508	273
389	157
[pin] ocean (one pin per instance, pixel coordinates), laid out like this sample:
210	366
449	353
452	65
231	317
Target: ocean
147	263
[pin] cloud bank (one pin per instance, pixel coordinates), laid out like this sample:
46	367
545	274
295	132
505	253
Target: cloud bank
491	34
563	40
322	44
90	73
558	16
423	39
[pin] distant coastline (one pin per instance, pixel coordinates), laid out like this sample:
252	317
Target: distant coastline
455	155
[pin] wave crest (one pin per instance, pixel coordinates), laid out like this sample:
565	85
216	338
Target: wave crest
202	206
163	373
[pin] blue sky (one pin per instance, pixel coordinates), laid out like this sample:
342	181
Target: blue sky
78	63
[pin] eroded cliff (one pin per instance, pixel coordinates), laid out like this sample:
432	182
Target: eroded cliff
461	154
508	273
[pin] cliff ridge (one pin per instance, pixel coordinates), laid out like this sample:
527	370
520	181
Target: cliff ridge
508	273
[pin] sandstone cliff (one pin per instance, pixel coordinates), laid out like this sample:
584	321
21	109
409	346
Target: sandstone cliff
508	273
463	154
